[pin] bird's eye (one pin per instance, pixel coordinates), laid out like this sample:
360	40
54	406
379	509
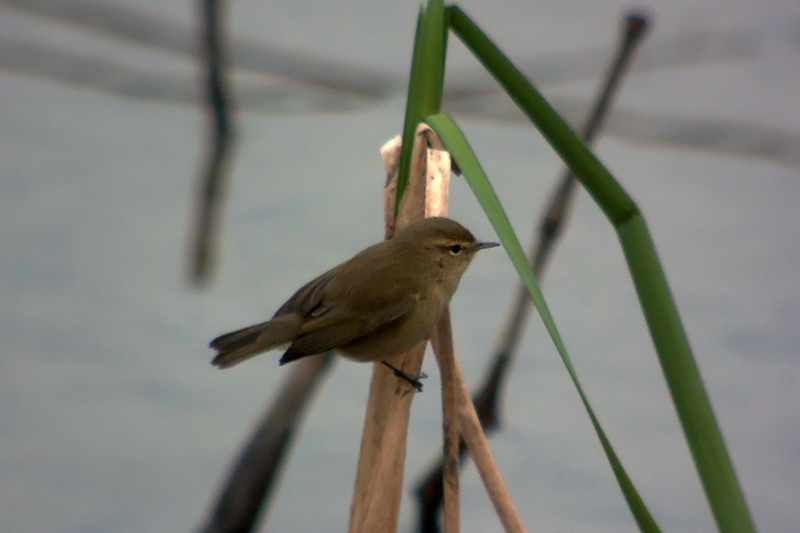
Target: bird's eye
455	249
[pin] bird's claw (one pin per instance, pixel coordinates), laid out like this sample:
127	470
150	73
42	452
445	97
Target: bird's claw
414	381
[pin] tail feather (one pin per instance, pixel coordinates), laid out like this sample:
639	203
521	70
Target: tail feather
236	346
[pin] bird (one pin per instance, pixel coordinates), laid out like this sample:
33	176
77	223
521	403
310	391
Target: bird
383	301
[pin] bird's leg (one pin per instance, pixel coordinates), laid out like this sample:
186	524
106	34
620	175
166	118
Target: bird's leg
414	380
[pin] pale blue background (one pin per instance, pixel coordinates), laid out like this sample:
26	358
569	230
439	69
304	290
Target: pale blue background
112	420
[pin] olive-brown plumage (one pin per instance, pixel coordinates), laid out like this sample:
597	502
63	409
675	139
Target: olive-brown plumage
383	301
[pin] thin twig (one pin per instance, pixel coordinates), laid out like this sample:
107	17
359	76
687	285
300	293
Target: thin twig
429	492
479	451
219	106
442	341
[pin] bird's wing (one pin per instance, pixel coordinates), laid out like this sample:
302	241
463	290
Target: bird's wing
308	298
337	327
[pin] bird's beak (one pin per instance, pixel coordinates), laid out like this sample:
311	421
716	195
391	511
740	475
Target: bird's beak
484	245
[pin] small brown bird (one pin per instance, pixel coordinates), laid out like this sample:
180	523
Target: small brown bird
383	301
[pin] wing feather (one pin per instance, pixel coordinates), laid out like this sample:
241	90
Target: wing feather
338	328
308	298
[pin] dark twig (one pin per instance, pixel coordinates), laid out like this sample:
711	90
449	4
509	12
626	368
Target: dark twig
222	137
486	400
247	490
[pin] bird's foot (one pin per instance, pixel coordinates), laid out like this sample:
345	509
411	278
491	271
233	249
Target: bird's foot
413	380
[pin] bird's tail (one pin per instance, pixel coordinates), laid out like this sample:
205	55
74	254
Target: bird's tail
236	346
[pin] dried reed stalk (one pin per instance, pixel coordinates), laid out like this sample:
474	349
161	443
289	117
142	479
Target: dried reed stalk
379	478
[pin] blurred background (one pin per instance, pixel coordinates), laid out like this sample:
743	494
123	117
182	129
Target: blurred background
111	418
